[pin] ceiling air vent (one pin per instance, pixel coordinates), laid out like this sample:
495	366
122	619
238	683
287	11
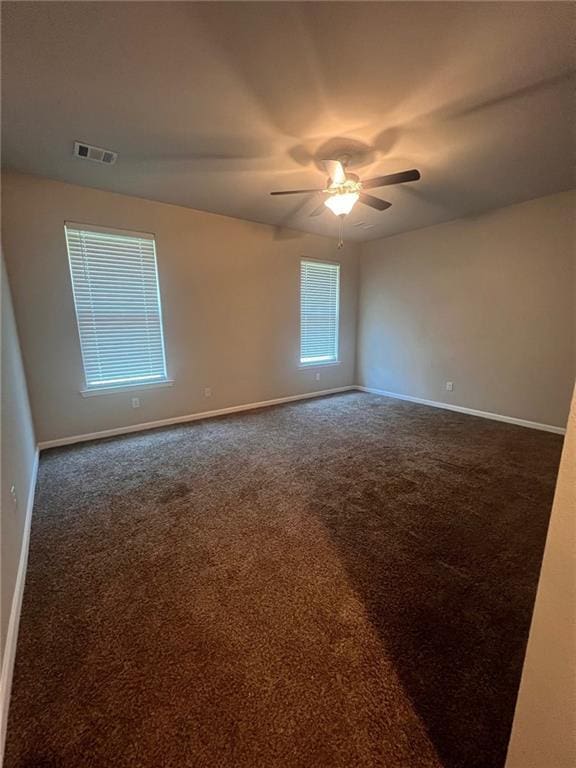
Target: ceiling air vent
96	154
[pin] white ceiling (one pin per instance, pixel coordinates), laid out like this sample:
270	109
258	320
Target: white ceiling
213	105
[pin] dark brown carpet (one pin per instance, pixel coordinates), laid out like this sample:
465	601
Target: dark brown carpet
335	583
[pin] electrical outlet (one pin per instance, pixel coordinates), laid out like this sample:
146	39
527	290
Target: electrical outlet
135	402
317	377
449	386
14	495
207	392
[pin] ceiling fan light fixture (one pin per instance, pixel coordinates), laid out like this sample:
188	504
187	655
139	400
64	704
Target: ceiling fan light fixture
342	203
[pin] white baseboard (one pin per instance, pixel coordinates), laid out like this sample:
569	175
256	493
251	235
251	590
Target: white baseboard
13	623
70	440
469	411
183	419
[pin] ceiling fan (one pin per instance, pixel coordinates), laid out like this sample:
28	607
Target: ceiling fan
343	190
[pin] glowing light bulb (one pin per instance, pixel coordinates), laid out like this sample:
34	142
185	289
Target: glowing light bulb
341	203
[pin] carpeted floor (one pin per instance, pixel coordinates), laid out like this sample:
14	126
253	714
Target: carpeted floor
336	583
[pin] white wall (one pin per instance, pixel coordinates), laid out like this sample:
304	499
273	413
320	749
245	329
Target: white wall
18	464
488	303
230	298
544	730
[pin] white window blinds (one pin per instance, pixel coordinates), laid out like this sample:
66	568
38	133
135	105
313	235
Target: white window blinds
115	284
319	300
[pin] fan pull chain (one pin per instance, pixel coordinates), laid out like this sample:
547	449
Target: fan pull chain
341	232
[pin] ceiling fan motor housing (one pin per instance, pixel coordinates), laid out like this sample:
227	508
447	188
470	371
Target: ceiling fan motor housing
351	184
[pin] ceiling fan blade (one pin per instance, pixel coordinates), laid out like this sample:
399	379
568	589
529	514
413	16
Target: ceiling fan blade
374	202
391	178
336	171
296	192
317	211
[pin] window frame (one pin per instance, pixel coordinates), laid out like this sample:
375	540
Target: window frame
318	363
133	385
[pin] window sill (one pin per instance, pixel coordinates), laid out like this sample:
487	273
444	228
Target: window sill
319	365
129	388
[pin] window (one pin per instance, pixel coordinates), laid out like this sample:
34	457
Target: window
115	284
319	299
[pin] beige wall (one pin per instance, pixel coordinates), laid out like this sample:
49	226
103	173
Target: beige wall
230	296
18	455
488	303
544	730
